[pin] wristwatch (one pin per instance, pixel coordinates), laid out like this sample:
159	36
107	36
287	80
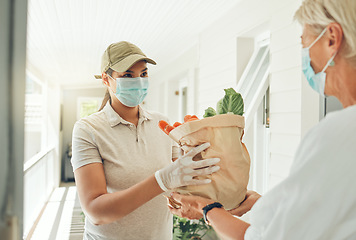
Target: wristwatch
208	207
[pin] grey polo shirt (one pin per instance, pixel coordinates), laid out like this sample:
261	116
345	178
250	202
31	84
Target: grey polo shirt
129	155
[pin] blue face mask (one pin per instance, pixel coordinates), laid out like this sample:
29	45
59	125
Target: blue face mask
131	91
315	80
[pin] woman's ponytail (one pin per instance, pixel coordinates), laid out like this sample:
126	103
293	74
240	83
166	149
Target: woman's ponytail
107	94
105	100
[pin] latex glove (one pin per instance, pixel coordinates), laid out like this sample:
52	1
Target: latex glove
181	172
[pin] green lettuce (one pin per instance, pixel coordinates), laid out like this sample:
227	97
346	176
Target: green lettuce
219	106
232	103
209	112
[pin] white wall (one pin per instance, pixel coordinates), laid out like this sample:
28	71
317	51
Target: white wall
294	108
181	68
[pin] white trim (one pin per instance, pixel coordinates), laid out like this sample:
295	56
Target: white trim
261	91
253	86
255	150
262	88
36	158
183	83
34	78
252	61
264	55
266	162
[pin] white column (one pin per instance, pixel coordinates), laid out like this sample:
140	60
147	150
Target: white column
13	17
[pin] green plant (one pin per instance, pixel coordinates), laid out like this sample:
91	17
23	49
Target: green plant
232	103
83	216
185	229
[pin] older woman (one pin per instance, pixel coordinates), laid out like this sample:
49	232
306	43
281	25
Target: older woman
318	198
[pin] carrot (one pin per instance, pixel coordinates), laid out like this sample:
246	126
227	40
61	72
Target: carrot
176	124
192	118
187	117
168	129
165	127
162	125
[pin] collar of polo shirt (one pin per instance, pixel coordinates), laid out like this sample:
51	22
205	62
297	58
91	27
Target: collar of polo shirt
115	119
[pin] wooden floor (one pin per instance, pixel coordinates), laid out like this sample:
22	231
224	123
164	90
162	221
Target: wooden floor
62	217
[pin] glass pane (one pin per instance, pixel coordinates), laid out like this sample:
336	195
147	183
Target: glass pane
34	118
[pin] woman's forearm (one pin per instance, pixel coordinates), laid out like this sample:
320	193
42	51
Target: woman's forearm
226	225
110	207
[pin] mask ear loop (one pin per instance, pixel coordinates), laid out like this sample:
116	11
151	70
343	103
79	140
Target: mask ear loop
320	35
115	82
330	62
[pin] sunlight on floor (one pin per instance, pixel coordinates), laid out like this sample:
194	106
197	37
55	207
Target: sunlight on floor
61	219
45	225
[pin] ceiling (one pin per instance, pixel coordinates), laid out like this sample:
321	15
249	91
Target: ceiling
66	38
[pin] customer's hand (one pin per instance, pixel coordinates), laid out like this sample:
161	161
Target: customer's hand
184	169
250	200
190	207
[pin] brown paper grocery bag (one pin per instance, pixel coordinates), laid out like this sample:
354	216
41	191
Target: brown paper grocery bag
224	133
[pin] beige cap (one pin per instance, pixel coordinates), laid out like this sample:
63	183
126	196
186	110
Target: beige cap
121	56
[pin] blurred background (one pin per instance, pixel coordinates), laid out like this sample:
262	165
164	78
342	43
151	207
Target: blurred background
51	50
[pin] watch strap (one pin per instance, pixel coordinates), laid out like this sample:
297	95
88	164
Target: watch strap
208	207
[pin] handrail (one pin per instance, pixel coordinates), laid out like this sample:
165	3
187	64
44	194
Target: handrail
36	158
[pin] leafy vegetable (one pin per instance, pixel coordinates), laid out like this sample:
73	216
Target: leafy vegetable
219	106
209	112
232	103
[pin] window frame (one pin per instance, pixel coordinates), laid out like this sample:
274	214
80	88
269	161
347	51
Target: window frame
255	110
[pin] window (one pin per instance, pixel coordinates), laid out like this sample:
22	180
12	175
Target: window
87	106
35	120
254	87
253	83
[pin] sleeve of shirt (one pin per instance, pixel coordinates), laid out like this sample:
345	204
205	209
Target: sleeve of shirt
84	149
252	234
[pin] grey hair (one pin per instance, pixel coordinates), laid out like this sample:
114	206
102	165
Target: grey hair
318	14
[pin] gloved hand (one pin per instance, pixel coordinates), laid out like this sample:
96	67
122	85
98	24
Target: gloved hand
181	172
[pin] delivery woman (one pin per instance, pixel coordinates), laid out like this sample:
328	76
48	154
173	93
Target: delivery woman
117	154
318	198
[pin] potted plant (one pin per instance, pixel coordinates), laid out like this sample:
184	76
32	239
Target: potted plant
185	229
